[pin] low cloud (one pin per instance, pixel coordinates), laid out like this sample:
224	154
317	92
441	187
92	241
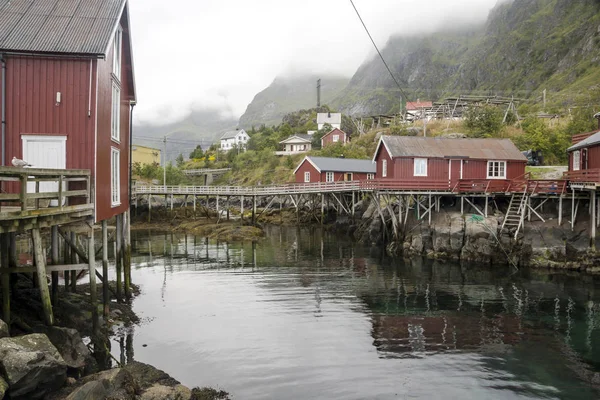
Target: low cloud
218	54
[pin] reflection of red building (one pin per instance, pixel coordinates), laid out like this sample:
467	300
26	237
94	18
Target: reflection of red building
417	333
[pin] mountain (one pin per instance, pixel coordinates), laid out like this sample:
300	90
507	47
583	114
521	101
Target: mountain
288	94
525	46
199	128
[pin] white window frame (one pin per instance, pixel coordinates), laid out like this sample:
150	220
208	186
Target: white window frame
420	167
384	169
336	138
115	177
117	53
115	115
329	177
307	177
496	175
576	160
370	176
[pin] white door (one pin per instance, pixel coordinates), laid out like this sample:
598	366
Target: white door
45	152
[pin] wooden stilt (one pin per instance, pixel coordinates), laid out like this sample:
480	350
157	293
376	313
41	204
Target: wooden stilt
92	273
40	264
74	260
12	250
573	210
119	257
171	201
4	244
227	208
485	212
593	218
55	252
353	204
242	208
253	210
194	205
66	260
560	210
105	295
322	208
462	205
126	254
429	210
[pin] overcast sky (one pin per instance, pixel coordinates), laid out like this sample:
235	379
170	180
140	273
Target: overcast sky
219	53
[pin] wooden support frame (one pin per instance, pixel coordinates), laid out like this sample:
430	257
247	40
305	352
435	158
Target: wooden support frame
40	263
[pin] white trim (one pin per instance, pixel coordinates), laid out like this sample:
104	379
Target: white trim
113	203
384	169
461	169
112	33
351	176
577	156
115	125
306	176
95	173
285	141
370	176
378	146
449	169
328	174
488	169
307	158
420	159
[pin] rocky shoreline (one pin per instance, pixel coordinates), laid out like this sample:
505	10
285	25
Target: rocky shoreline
72	360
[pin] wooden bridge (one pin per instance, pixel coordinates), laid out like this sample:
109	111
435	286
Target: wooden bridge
526	196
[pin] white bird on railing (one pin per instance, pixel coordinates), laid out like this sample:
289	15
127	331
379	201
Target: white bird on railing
20	163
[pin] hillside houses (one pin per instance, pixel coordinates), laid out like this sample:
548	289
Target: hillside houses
234	139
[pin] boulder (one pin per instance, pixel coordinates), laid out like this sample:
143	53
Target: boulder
32	366
69	344
4	329
3	388
116	383
160	392
480	240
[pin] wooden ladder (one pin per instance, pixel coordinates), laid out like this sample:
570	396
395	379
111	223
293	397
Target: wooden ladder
515	215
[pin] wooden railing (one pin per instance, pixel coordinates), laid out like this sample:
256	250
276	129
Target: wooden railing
23	188
442	185
585	175
482	186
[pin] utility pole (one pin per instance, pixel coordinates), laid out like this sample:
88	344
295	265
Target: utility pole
165	165
544	94
319	92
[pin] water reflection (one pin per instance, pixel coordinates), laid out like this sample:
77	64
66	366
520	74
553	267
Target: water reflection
304	314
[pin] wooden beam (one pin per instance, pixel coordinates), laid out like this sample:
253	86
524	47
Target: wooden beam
73	246
40	263
55	251
105	296
119	257
92	270
4	242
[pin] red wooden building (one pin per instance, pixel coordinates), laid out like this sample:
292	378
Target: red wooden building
334	136
437	163
325	169
68	91
584	158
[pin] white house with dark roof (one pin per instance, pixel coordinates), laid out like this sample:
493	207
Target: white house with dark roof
333	119
295	144
231	139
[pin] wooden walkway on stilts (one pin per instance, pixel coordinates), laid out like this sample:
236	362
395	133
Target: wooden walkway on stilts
33	199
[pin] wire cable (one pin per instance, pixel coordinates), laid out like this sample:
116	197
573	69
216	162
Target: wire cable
379	52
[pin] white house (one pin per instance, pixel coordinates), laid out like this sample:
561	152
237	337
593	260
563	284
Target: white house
295	144
333	119
232	138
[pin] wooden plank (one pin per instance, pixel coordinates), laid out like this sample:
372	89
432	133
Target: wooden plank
105	295
40	261
45	212
92	277
14	171
4	244
49	268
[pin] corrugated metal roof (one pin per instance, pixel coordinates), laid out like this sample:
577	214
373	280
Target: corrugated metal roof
433	147
232	134
58	26
589	141
329	118
343	164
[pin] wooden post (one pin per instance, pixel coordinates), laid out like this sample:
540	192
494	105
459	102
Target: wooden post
171	201
194	205
573	210
322	208
593	218
40	264
74	260
485	212
54	238
105	295
462	205
430	209
4	244
217	206
119	256
253	210
23	195
353	204
149	209
67	260
126	254
560	206
280	210
227	208
92	273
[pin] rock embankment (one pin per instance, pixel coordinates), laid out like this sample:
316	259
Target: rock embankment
473	238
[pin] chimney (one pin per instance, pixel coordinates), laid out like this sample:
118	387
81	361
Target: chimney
597	116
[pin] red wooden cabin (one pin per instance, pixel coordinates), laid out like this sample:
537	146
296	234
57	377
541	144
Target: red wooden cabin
325	169
438	163
584	158
69	90
334	136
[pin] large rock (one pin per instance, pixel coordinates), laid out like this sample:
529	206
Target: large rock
70	346
32	366
4	329
160	392
114	383
3	388
480	240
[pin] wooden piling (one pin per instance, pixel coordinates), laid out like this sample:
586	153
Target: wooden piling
40	264
149	209
242	208
67	260
322	208
4	244
55	261
253	210
227	208
593	218
119	257
126	255
92	273
74	260
560	210
105	295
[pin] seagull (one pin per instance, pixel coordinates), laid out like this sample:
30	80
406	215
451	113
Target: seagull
20	163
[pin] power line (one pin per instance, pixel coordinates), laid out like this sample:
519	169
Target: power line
379	52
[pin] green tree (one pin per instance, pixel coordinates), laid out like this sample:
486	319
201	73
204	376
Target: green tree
582	121
179	160
553	143
316	138
485	121
197	153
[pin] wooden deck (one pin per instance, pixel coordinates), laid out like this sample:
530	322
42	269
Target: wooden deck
26	201
587	179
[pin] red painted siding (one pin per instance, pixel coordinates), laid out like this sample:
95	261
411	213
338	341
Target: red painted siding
316	176
381	155
327	139
589	158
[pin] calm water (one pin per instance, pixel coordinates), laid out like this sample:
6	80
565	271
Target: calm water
305	315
